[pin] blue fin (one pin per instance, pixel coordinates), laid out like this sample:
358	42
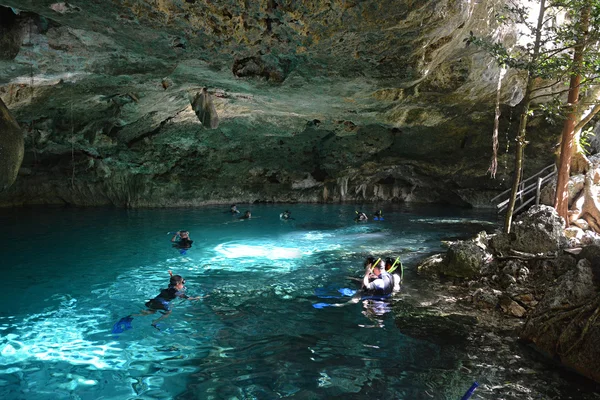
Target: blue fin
123	324
347	292
321	305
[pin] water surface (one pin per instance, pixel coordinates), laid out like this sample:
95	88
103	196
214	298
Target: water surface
70	274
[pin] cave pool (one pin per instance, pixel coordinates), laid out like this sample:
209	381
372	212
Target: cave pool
69	274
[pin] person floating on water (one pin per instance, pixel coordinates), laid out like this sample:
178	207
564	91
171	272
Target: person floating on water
162	303
286	215
360	216
233	209
247	215
378	216
181	240
377	281
390	267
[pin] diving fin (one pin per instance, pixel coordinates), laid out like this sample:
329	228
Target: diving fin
123	324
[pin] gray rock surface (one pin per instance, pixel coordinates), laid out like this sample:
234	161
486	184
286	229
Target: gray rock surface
11	148
537	230
316	101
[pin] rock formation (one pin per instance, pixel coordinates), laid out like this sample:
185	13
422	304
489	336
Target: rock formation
316	101
11	148
555	287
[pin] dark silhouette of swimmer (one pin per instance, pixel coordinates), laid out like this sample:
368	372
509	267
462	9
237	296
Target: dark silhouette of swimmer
181	240
162	303
286	215
361	216
247	215
233	209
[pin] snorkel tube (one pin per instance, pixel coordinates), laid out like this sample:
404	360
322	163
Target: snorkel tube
393	268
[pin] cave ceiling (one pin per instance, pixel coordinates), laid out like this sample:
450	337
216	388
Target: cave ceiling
316	100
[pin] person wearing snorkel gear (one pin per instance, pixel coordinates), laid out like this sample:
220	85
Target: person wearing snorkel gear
389	263
233	209
360	216
247	215
378	216
181	240
286	215
377	281
162	302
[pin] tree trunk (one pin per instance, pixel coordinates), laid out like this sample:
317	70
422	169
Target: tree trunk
523	122
561	201
590	211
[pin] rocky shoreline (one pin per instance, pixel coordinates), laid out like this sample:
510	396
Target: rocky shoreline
535	283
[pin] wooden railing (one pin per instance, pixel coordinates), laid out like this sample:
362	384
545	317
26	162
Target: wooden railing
529	190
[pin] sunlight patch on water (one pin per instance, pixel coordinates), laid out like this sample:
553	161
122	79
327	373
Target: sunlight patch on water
268	251
60	335
465	221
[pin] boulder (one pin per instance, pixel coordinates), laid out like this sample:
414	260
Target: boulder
538	230
431	265
464	260
565	323
511	307
486	297
574	188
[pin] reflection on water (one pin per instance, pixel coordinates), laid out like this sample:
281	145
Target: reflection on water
257	335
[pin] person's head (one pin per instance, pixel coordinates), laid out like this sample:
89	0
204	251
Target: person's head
177	282
369	261
247	214
377	268
233	207
184	234
388	263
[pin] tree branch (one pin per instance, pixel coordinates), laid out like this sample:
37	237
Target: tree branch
587	119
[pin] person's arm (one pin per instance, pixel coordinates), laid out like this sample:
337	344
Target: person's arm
170	273
174	238
366	279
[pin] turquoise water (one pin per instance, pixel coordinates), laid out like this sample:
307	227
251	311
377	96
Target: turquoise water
70	274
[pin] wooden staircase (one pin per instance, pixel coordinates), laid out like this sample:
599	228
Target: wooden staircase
529	191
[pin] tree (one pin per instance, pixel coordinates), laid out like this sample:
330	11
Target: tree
561	201
554	51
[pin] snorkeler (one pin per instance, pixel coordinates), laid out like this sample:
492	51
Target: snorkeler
360	216
233	209
286	215
181	240
162	303
247	215
390	267
378	282
378	216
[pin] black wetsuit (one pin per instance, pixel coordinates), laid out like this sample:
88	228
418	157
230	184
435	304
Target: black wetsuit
162	301
183	243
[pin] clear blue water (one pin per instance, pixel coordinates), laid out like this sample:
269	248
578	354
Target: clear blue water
70	274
